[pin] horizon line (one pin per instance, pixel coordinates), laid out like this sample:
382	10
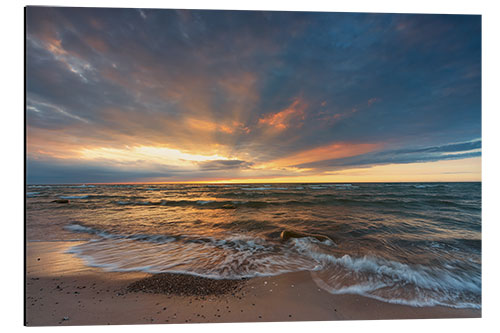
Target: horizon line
237	183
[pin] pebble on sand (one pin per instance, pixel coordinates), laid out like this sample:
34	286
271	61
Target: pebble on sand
185	285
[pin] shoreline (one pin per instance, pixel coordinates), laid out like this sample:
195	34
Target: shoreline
62	290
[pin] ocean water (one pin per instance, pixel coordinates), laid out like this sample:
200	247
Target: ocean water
410	243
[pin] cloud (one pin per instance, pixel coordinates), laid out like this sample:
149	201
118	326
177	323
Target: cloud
449	148
259	87
327	152
223	164
402	156
53	172
292	116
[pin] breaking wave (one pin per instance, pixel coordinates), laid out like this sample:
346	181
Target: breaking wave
241	256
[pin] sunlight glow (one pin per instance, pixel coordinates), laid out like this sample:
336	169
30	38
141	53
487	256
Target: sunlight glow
464	170
160	155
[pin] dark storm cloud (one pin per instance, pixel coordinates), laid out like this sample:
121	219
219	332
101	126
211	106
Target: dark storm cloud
258	86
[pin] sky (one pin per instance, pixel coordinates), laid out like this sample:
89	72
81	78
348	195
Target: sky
144	95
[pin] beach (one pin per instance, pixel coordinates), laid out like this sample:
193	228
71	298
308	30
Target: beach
62	290
223	166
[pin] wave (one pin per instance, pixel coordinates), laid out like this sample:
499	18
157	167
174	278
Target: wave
396	282
66	186
102	196
427	185
318	187
396	201
215	204
147	203
241	256
266	188
74	196
204	202
79	228
32	194
234	257
257	199
316	200
333	186
422	299
75	227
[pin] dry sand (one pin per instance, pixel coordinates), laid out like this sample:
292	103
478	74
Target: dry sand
61	290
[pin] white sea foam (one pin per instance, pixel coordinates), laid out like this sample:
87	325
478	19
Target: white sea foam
421	276
79	228
88	230
267	188
204	202
426	185
369	289
125	203
241	255
331	186
317	187
230	258
392	281
74	196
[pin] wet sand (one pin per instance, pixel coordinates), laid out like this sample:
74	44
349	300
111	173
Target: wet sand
61	290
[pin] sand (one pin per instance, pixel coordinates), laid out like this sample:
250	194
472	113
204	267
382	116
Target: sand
62	290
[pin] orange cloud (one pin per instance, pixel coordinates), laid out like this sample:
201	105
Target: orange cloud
336	150
54	47
210	126
284	119
201	125
235	126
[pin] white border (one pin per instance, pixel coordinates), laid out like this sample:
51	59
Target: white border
12	161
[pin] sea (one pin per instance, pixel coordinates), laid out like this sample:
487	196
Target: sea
417	244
